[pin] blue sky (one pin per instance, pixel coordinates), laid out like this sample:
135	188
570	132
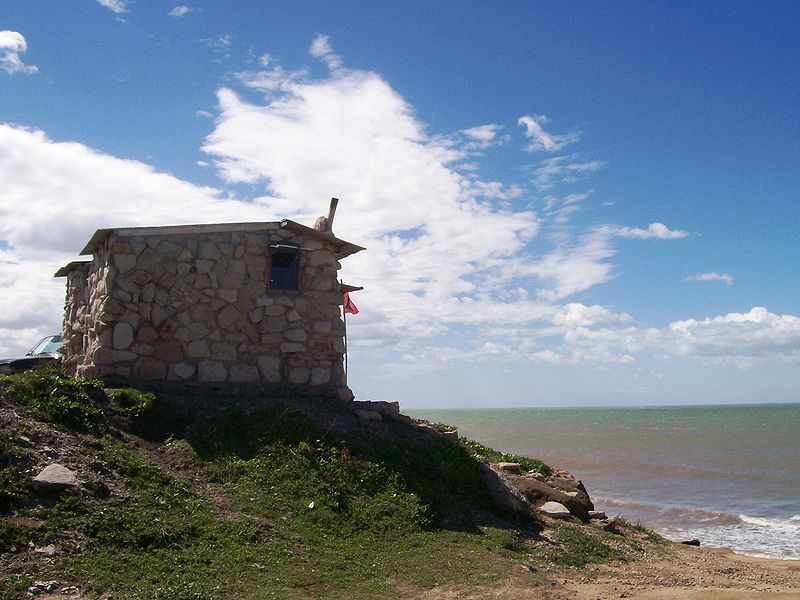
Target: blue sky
563	204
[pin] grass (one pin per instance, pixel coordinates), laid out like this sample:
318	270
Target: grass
576	548
485	453
278	508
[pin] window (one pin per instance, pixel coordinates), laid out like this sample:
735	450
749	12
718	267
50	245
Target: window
284	268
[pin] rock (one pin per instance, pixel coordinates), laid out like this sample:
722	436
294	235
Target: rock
227	317
693	542
320	375
555	510
504	495
299	375
368	415
150	369
537	492
198	349
54	477
229	296
510	467
42	586
289	348
211	371
123	335
612	526
270	368
26	523
598	515
124	262
46	550
451	435
180	371
296	335
244	373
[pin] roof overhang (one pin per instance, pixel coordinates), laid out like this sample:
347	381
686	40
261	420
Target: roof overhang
69	267
343	248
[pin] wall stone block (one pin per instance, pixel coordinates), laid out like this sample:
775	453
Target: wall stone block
211	371
244	373
123	336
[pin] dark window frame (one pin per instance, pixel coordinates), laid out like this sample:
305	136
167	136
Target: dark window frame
279	249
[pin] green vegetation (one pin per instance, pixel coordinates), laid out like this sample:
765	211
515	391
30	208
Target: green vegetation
257	505
577	549
484	453
53	396
132	402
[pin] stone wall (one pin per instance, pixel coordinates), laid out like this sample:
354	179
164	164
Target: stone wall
76	317
196	308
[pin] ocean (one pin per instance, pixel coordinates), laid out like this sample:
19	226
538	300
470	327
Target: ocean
726	475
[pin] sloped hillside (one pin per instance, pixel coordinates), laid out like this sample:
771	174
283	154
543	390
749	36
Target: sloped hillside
172	498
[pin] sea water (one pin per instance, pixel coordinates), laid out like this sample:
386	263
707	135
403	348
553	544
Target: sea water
726	475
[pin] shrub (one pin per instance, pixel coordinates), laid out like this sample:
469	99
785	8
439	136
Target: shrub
132	402
54	396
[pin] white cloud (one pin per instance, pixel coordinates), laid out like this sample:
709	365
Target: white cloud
563	169
743	339
655	231
115	6
179	11
220	44
723	277
482	133
54	196
12	44
455	270
321	48
540	139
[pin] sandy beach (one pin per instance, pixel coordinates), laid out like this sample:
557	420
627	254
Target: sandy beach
673	571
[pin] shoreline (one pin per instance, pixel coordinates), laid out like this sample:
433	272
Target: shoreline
695	573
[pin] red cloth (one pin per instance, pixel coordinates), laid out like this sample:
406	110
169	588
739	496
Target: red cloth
349	307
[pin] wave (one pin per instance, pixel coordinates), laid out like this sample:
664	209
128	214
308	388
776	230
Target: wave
768	536
791	523
672	513
699	516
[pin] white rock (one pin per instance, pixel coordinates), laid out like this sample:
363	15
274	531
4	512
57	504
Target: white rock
555	510
54	477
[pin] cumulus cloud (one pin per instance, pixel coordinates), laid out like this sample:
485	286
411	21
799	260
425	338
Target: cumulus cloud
179	11
713	276
435	238
540	139
744	339
457	268
115	6
54	196
12	44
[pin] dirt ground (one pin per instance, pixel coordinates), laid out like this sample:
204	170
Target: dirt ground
678	572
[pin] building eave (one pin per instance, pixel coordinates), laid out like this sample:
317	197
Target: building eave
69	267
343	248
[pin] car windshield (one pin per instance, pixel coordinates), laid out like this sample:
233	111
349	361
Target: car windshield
48	345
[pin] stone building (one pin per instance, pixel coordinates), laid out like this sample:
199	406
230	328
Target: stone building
241	307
